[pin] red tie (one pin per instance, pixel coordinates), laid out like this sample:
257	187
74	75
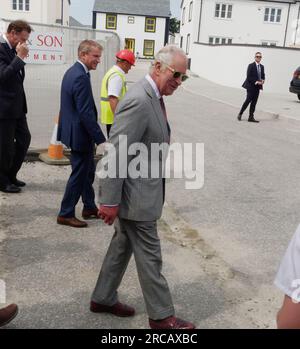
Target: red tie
163	107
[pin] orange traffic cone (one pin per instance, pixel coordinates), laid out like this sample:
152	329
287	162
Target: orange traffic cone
55	154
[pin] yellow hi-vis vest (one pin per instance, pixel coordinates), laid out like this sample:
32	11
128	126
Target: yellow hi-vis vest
107	115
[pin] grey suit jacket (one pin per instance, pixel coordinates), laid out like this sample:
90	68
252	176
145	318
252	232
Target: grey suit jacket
140	118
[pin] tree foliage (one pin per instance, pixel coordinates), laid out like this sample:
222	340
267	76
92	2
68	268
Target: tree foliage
174	25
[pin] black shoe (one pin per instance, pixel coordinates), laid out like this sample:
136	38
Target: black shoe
10	188
252	120
239	117
18	183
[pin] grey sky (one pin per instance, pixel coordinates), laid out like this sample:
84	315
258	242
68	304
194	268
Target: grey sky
82	10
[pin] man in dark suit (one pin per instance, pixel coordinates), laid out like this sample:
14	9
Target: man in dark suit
78	129
253	84
14	133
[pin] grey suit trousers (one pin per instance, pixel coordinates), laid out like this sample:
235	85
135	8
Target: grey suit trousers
141	239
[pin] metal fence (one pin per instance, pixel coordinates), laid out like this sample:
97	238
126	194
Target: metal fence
43	81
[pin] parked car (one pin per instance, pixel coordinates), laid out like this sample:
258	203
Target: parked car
295	83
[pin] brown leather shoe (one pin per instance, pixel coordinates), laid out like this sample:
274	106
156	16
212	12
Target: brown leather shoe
90	214
71	221
171	322
7	314
117	309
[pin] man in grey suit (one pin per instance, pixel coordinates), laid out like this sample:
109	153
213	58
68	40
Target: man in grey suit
137	201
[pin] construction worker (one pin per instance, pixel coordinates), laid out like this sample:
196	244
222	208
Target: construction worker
114	87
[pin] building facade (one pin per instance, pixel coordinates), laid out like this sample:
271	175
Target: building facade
266	23
37	11
142	26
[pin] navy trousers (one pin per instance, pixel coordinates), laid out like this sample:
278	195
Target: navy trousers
80	184
252	97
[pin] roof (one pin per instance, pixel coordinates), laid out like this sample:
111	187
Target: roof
155	8
74	23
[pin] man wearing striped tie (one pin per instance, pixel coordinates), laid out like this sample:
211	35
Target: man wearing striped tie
253	84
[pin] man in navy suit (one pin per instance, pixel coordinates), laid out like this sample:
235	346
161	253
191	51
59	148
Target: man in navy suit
14	133
253	84
78	129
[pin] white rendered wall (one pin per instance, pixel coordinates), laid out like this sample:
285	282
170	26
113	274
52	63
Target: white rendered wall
190	27
247	24
227	65
41	11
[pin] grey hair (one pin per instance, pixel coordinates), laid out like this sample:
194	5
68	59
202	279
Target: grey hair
86	45
165	56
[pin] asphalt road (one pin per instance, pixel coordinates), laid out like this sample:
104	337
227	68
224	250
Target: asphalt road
221	243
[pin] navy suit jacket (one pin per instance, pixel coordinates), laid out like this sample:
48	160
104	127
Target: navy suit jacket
12	95
252	77
78	128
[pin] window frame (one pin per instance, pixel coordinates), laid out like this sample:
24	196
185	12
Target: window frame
183	16
20	5
130	19
113	15
223	8
144	48
219	40
188	42
269	43
14	3
147	30
191	11
268	15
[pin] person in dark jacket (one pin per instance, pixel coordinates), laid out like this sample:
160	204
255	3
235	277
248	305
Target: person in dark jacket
79	130
14	133
253	84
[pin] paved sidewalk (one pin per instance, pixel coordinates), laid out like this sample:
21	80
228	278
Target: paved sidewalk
50	270
286	105
279	105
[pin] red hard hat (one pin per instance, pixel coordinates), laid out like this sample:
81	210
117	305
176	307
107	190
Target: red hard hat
126	55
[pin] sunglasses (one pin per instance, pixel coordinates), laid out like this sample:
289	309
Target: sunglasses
176	74
258	56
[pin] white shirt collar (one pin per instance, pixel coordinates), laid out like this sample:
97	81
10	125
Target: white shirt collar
8	43
153	85
84	66
120	70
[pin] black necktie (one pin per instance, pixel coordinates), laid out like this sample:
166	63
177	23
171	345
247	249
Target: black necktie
88	74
